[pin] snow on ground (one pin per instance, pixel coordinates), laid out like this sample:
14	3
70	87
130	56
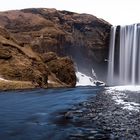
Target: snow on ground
51	82
120	96
2	79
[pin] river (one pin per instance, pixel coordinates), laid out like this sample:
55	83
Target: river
36	114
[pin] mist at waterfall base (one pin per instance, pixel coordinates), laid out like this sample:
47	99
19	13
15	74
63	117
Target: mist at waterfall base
124	55
84	63
84	80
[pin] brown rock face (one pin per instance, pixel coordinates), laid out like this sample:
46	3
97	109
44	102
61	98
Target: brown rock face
83	37
63	69
22	64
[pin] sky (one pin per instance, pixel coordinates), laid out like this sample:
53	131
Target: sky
116	12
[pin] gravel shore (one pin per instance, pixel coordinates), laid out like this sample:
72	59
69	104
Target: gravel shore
112	115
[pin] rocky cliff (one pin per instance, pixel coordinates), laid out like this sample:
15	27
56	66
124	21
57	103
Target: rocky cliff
29	69
34	33
82	37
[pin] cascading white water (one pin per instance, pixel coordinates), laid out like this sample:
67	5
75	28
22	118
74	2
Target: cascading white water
127	71
111	55
84	80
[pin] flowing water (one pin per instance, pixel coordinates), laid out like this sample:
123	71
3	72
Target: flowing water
124	69
34	115
84	80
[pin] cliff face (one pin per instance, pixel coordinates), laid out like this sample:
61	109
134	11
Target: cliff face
22	64
83	37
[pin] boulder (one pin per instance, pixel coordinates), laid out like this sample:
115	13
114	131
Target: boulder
64	70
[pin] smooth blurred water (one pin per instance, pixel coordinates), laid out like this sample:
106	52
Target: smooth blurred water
31	115
124	55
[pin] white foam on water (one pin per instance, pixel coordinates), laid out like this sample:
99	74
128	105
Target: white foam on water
126	88
84	80
119	95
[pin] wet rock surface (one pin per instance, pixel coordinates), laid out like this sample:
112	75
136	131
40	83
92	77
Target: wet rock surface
104	119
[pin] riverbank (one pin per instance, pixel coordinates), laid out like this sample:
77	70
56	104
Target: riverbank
14	85
23	85
112	115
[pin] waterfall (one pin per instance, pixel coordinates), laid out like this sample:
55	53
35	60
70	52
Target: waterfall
124	55
111	55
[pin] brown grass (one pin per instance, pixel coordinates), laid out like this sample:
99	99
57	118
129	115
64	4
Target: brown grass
12	85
